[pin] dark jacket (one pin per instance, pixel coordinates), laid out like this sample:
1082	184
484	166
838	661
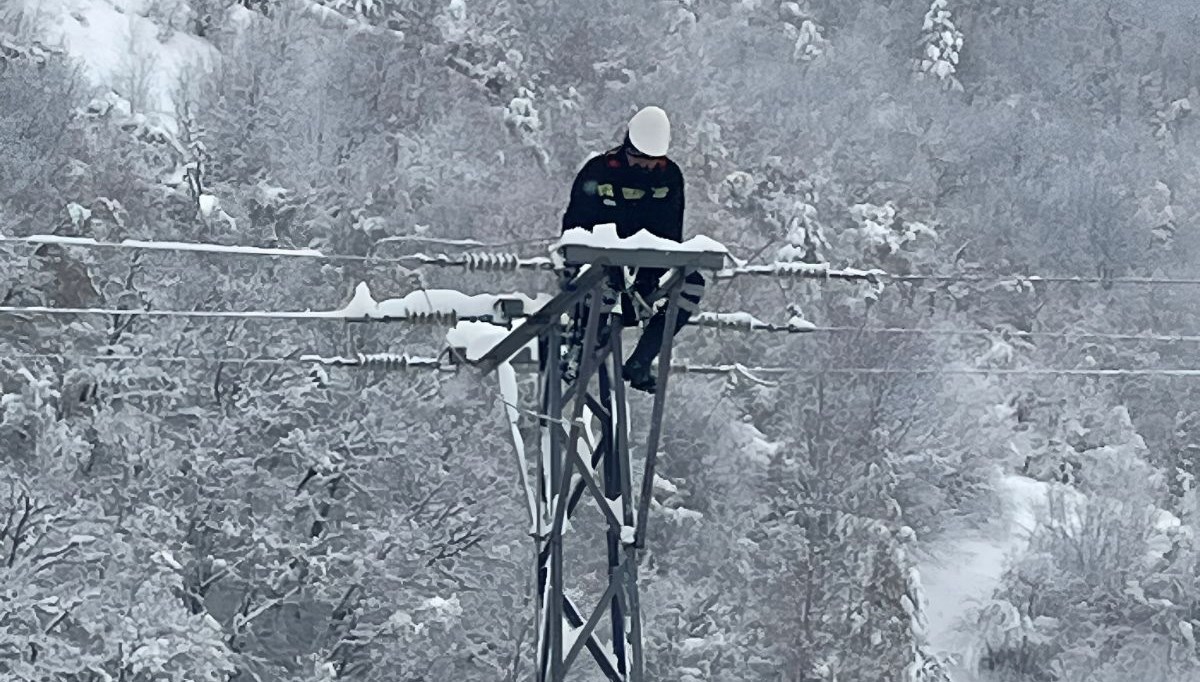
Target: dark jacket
609	190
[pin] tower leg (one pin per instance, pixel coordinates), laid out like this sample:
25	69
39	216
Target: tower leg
612	491
629	625
549	552
656	416
561	467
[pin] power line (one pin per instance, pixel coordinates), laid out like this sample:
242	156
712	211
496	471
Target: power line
723	321
513	262
1049	279
791	269
753	325
1017	334
470	261
435	318
953	371
150	359
203	314
394	361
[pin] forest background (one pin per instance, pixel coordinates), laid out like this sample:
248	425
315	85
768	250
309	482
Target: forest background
216	518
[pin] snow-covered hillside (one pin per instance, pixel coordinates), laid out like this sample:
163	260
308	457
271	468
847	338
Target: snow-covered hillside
965	568
133	47
217	470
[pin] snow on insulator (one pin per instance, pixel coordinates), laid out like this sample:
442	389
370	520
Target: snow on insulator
374	360
486	262
802	271
438	306
393	361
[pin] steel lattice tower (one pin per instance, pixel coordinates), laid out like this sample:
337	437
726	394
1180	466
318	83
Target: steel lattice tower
579	467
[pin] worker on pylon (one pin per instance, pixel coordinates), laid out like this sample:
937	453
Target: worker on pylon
637	187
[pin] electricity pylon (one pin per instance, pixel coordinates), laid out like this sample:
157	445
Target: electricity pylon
579	463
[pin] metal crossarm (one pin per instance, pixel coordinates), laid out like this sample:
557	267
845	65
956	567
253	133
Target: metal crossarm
576	254
586	463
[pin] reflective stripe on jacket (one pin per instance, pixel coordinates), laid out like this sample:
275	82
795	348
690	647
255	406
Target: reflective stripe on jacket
609	190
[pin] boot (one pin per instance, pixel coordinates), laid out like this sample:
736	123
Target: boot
640	376
637	369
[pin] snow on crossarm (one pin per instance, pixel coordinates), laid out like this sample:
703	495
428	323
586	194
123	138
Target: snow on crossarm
436	303
605	237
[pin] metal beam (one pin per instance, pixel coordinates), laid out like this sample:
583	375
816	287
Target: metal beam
577	254
562	479
617	486
593	645
590	626
552	632
547	315
656	415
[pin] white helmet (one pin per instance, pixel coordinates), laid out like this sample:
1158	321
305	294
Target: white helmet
650	131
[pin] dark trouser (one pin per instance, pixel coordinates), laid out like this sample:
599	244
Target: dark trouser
652	337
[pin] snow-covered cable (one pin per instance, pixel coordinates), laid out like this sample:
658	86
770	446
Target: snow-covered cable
387	361
395	361
745	322
139	312
735	322
464	243
798	270
487	262
192	247
740	322
1017	334
688	368
1045	279
154	359
511	262
795	270
436	318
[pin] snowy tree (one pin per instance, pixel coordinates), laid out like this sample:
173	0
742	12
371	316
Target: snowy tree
941	42
218	518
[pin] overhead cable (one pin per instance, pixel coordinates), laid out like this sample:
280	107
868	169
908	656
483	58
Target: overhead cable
502	261
491	262
687	368
396	361
390	361
742	323
448	318
738	322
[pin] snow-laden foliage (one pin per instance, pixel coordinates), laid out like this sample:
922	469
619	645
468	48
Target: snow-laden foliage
881	229
941	44
216	520
1106	546
810	44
